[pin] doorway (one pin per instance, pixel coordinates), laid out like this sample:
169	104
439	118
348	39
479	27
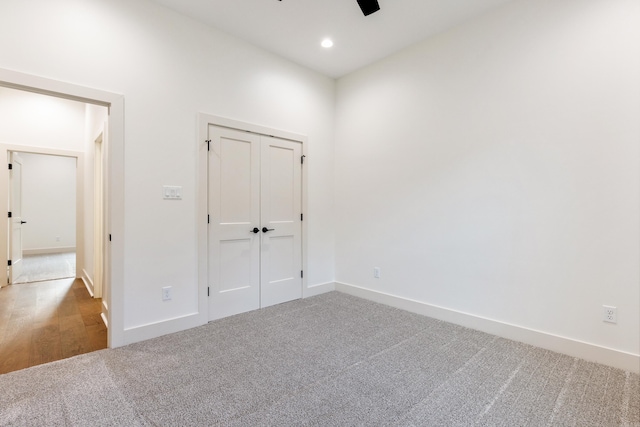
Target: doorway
42	200
46	317
255	219
113	155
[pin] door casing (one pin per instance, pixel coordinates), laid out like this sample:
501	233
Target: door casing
98	217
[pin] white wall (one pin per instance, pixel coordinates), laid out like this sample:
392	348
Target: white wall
493	170
41	121
48	203
169	68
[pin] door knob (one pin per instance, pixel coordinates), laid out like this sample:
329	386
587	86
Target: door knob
255	230
23	222
265	229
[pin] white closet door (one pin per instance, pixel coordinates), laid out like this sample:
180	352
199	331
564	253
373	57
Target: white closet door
281	201
234	209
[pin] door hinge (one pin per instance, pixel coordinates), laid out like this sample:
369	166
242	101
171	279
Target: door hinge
301	273
301	217
302	159
208	141
208	219
9	263
208	288
109	237
10	166
9	214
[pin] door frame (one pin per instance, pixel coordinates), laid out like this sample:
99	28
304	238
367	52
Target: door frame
98	214
6	149
114	182
204	120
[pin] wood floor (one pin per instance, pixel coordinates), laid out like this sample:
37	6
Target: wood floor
46	321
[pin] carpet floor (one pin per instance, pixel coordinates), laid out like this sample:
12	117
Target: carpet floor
330	360
38	268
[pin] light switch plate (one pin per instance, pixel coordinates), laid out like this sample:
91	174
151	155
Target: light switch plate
172	192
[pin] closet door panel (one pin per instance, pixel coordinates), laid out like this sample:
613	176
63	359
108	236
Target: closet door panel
281	201
234	211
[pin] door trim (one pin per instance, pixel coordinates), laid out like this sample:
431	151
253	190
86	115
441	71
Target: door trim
204	120
114	183
98	214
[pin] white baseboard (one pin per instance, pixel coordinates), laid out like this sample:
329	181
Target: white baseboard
105	313
105	320
87	281
42	251
153	330
157	329
321	288
606	356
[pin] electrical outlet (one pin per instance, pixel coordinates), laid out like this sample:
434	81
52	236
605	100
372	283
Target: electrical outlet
57	238
166	293
376	272
609	314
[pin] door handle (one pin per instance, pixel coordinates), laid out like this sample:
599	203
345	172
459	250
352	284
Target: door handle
255	230
265	229
23	222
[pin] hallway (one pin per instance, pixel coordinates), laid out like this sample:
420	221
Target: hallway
47	321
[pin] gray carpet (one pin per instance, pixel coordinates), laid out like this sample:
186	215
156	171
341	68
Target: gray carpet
38	268
330	360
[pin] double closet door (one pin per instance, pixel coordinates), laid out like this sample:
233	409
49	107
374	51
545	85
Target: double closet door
255	221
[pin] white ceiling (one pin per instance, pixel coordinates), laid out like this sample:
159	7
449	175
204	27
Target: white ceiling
294	28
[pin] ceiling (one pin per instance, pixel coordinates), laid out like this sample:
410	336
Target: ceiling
294	29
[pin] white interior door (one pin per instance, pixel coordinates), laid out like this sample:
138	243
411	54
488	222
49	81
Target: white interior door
15	207
281	207
234	214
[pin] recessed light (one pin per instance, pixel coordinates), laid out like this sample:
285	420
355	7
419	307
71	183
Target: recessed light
327	43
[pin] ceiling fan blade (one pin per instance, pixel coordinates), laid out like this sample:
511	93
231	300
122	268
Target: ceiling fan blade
368	6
